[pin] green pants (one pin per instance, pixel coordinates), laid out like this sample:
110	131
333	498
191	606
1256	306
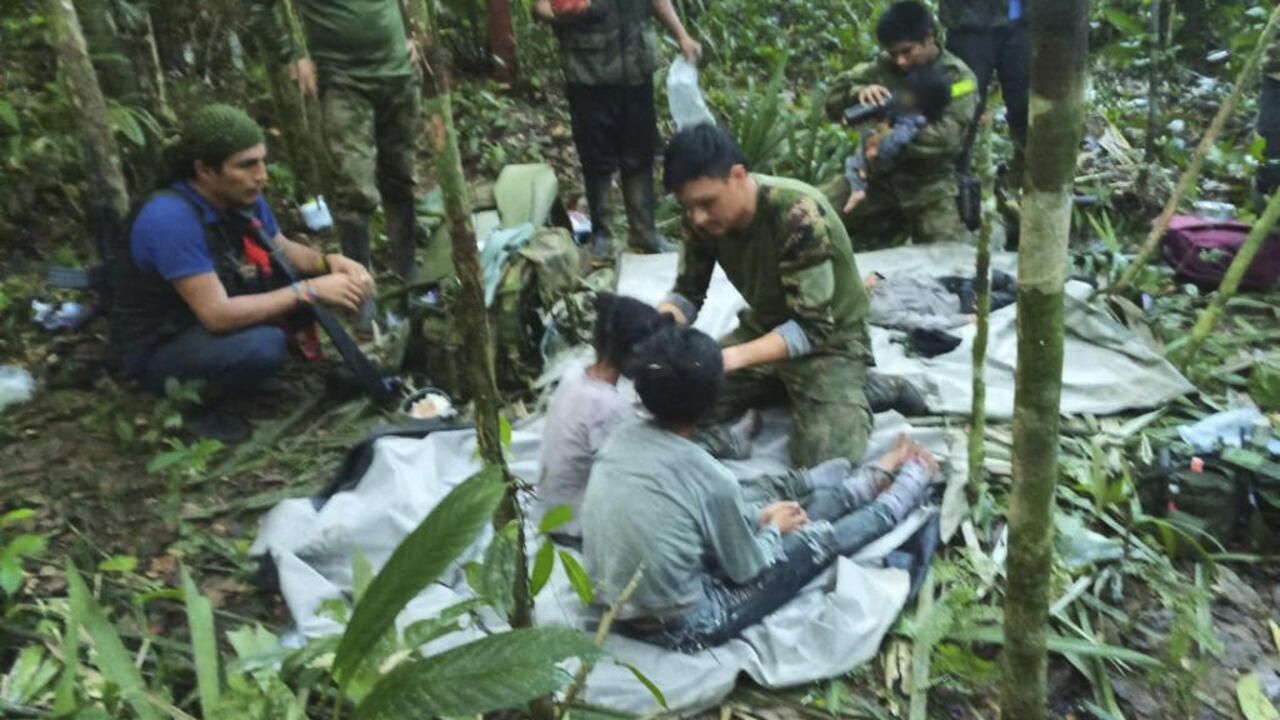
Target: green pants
882	220
371	129
823	394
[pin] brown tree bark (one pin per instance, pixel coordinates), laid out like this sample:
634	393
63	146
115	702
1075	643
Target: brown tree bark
108	196
502	42
1060	48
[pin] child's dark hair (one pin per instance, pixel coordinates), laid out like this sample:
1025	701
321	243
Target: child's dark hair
904	22
701	151
621	323
678	373
931	89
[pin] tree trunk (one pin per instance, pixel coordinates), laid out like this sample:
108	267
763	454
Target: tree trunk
108	196
1235	273
502	42
1152	243
155	83
474	328
982	289
1060	48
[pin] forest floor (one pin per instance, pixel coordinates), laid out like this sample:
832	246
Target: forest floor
117	484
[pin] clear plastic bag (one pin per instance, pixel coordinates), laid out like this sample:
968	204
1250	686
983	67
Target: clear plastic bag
684	97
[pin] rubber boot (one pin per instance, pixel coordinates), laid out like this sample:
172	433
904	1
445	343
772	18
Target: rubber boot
596	188
402	226
890	392
639	199
354	236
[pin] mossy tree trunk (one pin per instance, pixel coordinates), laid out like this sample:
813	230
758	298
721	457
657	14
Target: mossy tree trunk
474	325
1060	45
108	196
982	289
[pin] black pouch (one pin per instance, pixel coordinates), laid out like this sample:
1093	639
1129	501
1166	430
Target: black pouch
969	200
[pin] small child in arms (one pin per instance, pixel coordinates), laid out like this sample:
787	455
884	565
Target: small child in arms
922	99
587	406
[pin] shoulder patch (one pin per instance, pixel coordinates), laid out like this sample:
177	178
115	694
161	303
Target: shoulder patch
964	87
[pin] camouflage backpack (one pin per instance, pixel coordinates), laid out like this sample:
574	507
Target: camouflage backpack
540	275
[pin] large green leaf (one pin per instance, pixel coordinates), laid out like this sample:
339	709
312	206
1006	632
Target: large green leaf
448	530
204	644
113	660
499	671
1059	644
1253	701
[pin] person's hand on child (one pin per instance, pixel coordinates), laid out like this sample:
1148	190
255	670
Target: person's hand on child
787	516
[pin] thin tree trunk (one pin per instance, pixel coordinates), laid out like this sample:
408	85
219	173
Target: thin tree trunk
1152	243
982	289
502	42
108	194
1060	48
1235	273
474	328
1156	28
156	86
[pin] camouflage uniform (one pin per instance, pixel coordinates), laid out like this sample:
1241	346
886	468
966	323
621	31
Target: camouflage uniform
370	101
794	265
1269	124
609	55
917	199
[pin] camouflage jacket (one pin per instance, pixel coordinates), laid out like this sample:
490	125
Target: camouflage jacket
976	14
927	165
613	43
794	262
358	39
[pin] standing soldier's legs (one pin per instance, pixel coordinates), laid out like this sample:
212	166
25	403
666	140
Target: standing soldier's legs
977	48
593	111
397	128
637	144
349	135
1268	179
1014	67
830	416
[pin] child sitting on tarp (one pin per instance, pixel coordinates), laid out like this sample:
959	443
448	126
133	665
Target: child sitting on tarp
587	406
709	566
922	99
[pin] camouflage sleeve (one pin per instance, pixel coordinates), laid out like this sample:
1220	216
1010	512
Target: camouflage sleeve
269	32
807	271
846	86
943	141
697	262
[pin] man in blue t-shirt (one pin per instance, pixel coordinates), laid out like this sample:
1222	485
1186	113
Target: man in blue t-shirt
195	296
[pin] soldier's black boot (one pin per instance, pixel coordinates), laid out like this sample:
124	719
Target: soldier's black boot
402	226
890	392
596	188
640	201
354	236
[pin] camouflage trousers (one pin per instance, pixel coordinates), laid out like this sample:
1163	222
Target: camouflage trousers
371	129
882	221
824	397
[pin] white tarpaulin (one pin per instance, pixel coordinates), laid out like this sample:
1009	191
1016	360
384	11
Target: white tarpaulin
829	629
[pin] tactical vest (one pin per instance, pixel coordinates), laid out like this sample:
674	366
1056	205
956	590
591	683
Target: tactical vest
613	43
147	309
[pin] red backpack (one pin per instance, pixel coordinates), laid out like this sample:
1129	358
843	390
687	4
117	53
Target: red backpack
1201	250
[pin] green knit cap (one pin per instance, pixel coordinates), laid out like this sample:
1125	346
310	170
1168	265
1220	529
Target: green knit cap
216	132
